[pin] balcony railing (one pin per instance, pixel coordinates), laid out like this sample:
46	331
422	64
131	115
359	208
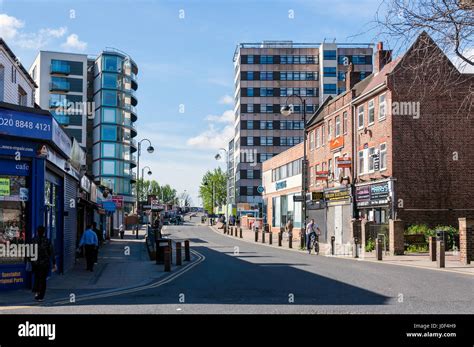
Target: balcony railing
60	86
60	69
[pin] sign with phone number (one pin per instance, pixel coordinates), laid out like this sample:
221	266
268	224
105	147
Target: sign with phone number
24	124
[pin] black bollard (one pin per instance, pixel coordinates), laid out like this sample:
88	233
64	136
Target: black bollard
167	256
263	235
187	253
290	241
178	254
256	234
270	238
241	233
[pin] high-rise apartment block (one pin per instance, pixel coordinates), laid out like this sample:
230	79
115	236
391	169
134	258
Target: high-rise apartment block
266	74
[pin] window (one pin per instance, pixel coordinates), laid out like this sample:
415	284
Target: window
329	71
250	108
22	97
108	150
382	107
341	90
250	76
361	164
250	124
250	174
323	134
266	141
311	176
329	130
341	76
109	98
344	126
311	140
249	190
250	92
360	117
250	59
266	108
266	91
330	88
266	75
250	141
330	167
343	60
361	59
318	137
109	133
266	59
109	115
266	125
111	63
108	167
383	156
371	112
109	80
371	158
330	55
338	126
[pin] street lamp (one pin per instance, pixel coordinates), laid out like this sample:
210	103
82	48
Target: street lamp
286	111
218	157
150	150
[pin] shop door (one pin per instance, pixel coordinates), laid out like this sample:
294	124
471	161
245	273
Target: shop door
338	224
52	219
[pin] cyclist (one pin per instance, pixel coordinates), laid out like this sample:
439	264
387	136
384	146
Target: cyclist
312	229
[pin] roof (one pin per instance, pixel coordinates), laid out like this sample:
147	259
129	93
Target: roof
20	65
14	107
381	76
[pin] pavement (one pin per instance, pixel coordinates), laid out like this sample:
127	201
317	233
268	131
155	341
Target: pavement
421	260
231	276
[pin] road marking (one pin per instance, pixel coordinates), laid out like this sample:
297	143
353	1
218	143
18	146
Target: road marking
5	308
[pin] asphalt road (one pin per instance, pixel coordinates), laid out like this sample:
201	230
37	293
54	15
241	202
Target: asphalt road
233	276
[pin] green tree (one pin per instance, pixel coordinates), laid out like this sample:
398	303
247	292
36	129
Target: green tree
164	193
213	189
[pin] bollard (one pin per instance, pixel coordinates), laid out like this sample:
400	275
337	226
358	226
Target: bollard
187	253
333	246
432	246
167	259
440	261
302	242
178	254
240	232
270	238
355	249
256	234
290	241
280	237
224	229
263	235
379	248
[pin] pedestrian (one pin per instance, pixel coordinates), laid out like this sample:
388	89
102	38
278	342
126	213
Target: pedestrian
41	266
289	227
311	229
100	239
90	243
121	231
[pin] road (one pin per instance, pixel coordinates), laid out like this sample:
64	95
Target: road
233	276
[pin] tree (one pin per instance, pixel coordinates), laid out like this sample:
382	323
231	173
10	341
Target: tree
185	199
165	193
449	22
213	189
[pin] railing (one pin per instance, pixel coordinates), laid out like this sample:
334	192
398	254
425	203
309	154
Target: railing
61	69
59	86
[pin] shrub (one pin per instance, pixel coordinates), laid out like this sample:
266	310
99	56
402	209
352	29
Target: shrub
369	245
450	232
417	248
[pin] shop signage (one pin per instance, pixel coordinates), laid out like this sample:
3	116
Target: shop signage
336	143
12	277
298	198
61	139
317	196
343	163
109	205
86	184
337	195
4	187
118	200
155	205
376	158
24	194
280	185
373	194
322	175
23	124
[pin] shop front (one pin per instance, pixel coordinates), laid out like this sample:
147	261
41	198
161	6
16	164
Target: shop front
338	214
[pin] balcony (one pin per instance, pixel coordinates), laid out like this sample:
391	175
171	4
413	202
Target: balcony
133	146
59	86
62	69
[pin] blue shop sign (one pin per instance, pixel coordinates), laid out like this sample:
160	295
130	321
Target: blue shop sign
14	168
12	277
280	185
108	205
22	124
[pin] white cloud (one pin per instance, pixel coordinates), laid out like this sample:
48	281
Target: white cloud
11	28
461	64
226	100
73	42
212	138
226	117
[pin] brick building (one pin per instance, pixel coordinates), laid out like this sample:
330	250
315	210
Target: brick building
396	146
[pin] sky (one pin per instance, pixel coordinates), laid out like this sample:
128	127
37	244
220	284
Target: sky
184	52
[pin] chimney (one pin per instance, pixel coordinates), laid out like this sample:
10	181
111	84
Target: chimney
350	77
382	57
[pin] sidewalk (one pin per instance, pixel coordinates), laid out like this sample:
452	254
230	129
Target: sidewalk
419	260
121	264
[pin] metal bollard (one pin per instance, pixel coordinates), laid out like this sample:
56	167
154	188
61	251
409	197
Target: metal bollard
333	245
355	248
187	253
432	246
167	259
256	234
280	237
378	248
302	245
270	238
290	241
263	235
240	232
440	259
178	254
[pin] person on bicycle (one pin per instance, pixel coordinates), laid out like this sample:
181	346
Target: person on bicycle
312	229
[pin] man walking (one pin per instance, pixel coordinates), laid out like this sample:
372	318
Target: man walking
90	242
42	264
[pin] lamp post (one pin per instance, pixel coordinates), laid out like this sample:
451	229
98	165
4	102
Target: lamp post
218	157
150	150
286	111
212	197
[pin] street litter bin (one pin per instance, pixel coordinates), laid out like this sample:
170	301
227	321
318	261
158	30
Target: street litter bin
160	249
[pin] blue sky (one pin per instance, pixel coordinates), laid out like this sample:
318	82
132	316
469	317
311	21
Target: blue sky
182	61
